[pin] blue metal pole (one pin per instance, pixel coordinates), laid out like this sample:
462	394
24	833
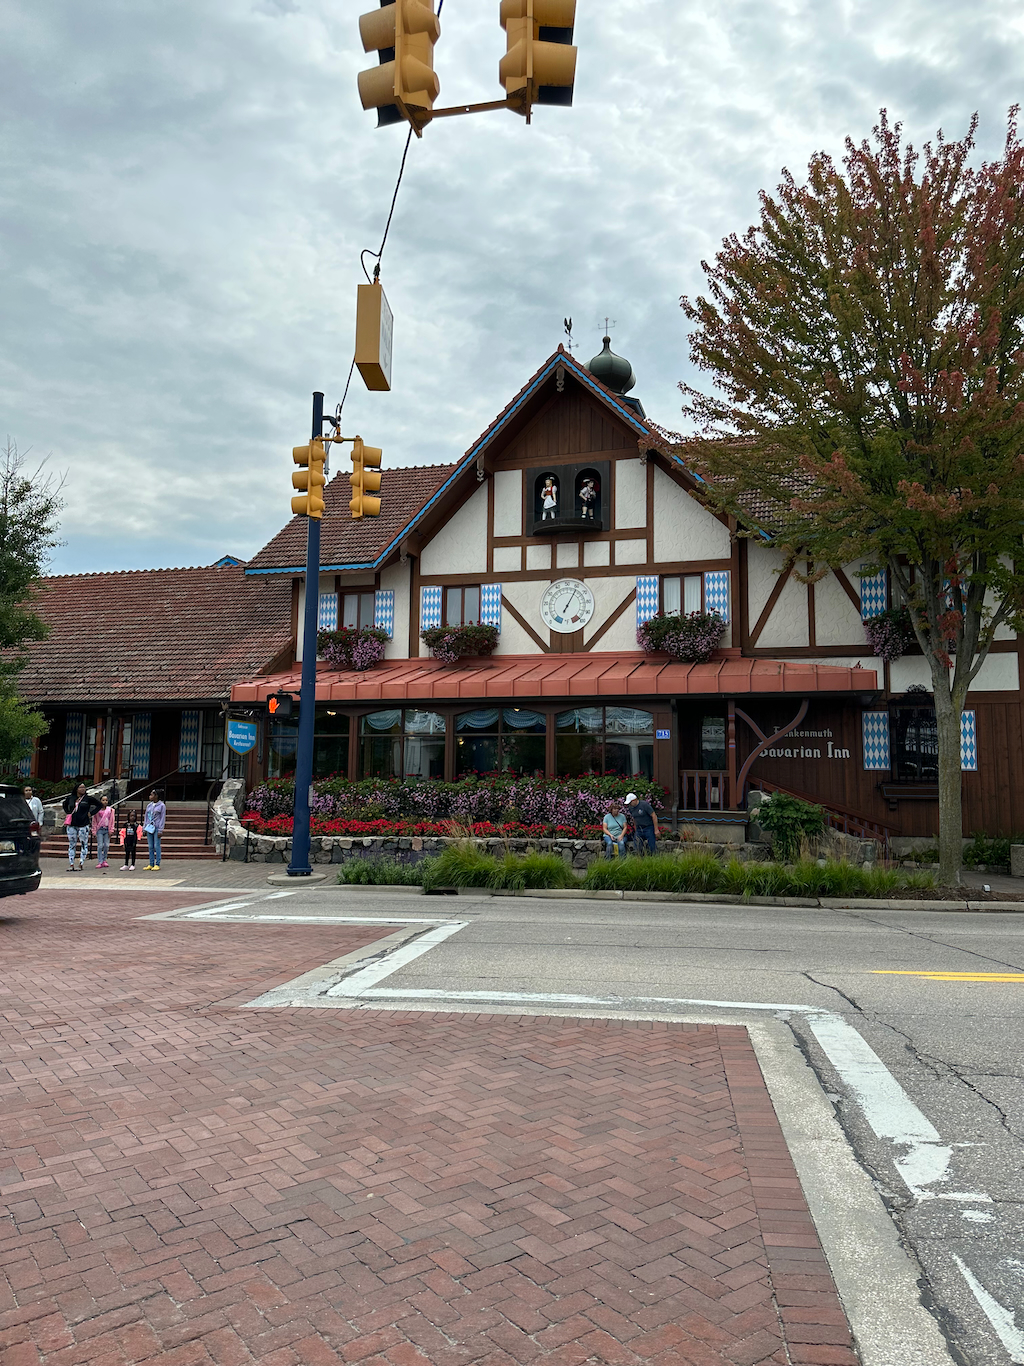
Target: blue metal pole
300	865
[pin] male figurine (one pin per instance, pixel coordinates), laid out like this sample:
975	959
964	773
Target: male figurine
588	497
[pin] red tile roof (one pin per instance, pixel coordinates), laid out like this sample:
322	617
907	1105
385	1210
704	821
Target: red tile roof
577	675
155	634
344	540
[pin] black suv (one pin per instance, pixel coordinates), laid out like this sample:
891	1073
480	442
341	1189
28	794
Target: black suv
19	844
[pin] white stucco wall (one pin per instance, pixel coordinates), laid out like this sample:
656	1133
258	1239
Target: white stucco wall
630	552
460	546
398	577
567	555
630	494
787	625
762	576
525	597
538	557
999	673
596	553
683	530
836	620
608	595
507	557
508	503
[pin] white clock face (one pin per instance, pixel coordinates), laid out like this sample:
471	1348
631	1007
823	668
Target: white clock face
567	606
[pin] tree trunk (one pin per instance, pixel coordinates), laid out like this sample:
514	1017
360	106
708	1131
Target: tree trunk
951	821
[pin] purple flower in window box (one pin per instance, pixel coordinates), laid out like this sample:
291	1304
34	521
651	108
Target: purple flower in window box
352	647
891	633
691	638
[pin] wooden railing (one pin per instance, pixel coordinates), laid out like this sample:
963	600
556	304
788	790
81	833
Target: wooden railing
836	817
703	789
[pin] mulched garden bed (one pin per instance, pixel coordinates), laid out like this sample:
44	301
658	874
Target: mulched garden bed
964	894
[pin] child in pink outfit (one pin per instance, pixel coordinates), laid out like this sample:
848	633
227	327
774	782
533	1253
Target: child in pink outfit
103	825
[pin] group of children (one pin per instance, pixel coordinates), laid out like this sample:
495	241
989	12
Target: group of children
86	814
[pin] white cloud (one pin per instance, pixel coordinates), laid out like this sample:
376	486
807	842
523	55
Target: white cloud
185	191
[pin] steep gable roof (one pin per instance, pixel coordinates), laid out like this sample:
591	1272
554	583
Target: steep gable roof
156	635
411	495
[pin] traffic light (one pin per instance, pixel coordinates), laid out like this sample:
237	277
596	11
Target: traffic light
280	705
539	66
403	85
310	478
365	478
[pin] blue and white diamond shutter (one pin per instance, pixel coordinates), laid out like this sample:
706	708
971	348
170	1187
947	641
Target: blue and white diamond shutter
142	730
490	605
384	611
74	738
873	595
647	596
430	607
25	766
968	742
875	733
188	747
327	612
716	592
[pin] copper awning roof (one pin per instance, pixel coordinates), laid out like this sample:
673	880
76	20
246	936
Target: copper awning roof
576	675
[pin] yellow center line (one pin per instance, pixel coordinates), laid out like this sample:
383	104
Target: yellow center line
940	976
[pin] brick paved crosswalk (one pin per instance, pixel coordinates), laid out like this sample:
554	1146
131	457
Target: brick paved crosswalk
184	1182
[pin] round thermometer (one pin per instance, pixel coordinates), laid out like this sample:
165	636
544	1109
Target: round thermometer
567	606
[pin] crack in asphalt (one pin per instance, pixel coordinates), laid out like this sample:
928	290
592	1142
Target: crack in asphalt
929	939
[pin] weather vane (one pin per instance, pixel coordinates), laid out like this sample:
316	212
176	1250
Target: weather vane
567	325
609	323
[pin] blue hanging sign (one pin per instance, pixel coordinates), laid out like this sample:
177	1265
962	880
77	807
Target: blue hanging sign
241	736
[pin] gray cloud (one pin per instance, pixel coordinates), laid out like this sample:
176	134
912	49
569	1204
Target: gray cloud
185	190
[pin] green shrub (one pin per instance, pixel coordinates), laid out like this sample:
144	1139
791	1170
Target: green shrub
688	872
789	820
383	872
986	850
461	865
522	872
765	879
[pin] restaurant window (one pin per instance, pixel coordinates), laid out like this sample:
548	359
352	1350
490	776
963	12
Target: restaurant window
282	745
500	740
682	594
462	606
357	609
330	743
401	744
604	740
914	739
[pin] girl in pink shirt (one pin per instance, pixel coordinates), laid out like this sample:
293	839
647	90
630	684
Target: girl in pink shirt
103	828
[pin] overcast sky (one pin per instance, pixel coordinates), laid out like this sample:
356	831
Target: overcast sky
185	188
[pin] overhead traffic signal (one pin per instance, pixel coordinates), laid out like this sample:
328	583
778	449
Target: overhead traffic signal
365	479
280	705
403	85
539	66
311	478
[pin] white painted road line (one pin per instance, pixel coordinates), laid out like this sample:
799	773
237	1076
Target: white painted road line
362	981
557	998
1002	1320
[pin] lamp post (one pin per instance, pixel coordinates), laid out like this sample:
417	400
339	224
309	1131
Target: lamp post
300	865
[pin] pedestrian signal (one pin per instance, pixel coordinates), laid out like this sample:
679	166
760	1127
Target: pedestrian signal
280	705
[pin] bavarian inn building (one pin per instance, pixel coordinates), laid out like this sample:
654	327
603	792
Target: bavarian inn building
565	529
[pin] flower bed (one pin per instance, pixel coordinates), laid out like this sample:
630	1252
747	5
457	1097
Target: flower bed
282	825
564	804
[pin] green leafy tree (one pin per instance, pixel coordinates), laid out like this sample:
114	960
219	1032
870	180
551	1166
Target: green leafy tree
30	504
866	345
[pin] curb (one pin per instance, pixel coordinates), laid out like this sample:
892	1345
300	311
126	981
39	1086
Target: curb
825	903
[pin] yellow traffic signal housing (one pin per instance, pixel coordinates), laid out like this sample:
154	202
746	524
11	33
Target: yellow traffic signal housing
404	84
365	479
374	328
311	478
539	66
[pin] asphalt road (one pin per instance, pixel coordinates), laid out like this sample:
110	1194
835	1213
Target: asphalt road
948	1162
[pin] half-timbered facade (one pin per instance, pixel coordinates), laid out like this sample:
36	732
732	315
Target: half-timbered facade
565	528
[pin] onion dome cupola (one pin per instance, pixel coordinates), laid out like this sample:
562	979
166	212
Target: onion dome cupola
614	372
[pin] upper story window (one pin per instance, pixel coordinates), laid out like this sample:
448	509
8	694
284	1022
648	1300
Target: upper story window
682	594
570	498
462	606
357	609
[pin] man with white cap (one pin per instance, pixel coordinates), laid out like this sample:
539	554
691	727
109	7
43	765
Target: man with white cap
645	823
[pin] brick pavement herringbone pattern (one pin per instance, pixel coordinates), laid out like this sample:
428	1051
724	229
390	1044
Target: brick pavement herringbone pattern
187	1183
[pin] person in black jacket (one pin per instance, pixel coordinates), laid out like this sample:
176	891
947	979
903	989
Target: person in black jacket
79	807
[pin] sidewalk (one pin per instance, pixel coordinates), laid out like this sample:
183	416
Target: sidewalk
188	1183
231	875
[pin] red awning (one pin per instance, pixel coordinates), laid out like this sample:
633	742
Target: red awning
577	675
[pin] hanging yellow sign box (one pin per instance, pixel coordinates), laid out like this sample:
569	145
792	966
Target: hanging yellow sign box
374	327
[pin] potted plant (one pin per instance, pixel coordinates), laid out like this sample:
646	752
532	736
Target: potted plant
891	633
450	643
352	647
691	638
